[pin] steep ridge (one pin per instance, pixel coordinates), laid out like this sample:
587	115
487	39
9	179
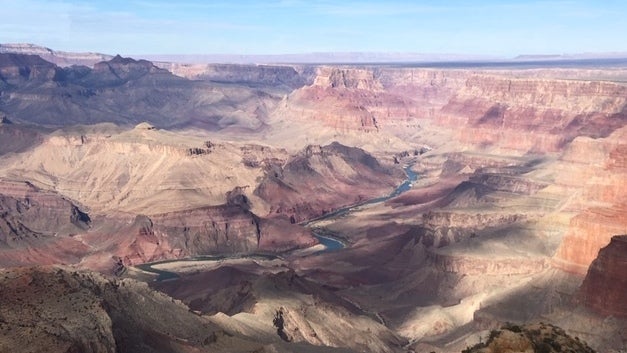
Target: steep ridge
600	209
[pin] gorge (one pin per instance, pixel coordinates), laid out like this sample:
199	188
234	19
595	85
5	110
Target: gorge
231	179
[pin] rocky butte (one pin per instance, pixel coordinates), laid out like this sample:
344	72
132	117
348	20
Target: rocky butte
383	208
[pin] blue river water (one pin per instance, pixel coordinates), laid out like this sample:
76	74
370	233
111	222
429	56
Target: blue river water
405	186
330	243
333	244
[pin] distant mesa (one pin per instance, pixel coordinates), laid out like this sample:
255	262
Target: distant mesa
61	58
120	60
127	68
145	126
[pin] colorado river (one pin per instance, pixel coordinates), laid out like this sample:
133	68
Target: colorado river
329	242
405	186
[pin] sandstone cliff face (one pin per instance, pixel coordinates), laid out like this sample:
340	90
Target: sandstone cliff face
442	228
553	111
348	100
492	107
605	287
228	229
361	79
600	209
225	229
480	265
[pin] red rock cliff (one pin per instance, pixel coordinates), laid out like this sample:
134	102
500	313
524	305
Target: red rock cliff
605	286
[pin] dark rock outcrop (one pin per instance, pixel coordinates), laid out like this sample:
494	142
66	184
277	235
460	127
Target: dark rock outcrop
543	338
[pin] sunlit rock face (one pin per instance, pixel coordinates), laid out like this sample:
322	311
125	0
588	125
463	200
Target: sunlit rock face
598	170
605	286
494	108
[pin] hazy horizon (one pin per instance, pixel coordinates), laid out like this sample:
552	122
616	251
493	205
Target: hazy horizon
287	27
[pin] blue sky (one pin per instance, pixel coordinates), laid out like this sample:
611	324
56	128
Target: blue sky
491	27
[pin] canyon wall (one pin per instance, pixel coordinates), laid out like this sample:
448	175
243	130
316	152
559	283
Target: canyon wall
605	286
493	106
596	171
